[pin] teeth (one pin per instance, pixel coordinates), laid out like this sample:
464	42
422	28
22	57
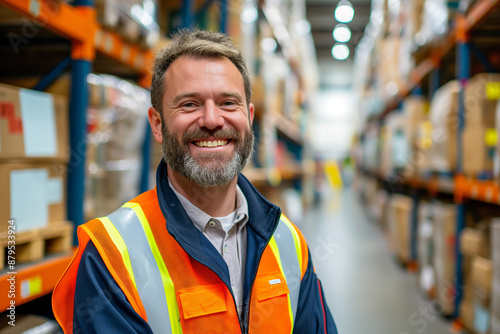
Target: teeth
212	143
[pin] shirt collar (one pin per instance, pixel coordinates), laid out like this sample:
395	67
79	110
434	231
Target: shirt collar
201	219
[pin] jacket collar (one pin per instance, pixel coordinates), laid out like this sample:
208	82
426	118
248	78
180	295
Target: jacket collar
263	220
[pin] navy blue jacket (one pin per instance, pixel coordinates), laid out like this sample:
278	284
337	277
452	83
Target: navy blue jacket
101	306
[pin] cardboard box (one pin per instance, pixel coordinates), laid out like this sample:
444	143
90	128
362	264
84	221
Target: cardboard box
481	279
479	149
474	242
467	314
33	125
399	226
481	96
414	109
32	194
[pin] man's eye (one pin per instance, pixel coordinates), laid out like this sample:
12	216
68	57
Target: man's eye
229	103
188	104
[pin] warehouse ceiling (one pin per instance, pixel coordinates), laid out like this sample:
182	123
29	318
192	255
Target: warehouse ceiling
321	15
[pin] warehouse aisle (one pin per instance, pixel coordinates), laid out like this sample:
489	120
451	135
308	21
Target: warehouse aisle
366	290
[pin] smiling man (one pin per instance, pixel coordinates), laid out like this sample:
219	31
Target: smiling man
203	252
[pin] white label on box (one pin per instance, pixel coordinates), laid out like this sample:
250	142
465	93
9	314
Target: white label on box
481	318
25	289
54	190
28	198
39	123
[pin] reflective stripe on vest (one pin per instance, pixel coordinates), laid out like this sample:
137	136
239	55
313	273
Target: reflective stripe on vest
289	260
148	271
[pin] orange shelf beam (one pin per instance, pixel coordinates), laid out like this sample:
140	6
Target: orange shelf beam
61	18
33	281
113	45
479	11
79	25
485	191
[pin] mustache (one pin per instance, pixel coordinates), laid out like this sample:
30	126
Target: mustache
198	134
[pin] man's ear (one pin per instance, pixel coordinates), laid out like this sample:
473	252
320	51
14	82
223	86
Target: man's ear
155	123
251	112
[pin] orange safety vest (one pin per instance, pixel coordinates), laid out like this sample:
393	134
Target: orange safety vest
175	293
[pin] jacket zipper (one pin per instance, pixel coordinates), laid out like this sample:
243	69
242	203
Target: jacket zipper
246	323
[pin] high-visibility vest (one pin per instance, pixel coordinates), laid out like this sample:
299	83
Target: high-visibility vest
175	293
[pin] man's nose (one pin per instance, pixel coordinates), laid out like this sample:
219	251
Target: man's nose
212	117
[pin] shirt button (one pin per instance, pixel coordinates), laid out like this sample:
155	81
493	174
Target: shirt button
225	248
211	223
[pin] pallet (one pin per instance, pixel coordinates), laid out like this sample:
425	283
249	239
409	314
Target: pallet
33	245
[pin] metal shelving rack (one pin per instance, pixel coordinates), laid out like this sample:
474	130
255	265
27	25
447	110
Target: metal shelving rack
78	24
459	186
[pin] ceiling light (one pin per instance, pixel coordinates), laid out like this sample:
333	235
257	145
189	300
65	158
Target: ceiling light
340	51
249	13
341	33
268	44
344	12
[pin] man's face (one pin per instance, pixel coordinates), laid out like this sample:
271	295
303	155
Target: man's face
207	136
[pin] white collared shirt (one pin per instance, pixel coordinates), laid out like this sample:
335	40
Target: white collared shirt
231	245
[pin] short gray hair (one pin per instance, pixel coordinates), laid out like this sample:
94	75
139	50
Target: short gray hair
200	44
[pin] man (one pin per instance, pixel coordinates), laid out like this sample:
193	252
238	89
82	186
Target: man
203	252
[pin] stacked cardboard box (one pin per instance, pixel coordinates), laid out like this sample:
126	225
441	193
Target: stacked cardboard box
480	137
415	111
481	289
34	151
444	257
476	269
399	226
495	259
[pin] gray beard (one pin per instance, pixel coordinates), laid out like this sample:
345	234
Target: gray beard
215	173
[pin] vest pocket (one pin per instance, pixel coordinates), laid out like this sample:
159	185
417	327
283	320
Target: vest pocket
270	285
202	300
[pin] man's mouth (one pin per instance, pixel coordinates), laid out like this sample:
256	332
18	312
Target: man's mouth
211	143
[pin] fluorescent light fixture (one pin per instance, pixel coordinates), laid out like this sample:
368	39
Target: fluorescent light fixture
342	33
344	12
249	13
268	45
340	51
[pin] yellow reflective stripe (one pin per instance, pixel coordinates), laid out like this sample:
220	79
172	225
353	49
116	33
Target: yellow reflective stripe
120	244
298	245
168	284
274	248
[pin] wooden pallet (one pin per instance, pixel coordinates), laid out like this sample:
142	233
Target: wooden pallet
33	245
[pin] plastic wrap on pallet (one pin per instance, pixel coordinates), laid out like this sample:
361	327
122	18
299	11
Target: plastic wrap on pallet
434	23
134	20
426	281
444	121
116	129
444	259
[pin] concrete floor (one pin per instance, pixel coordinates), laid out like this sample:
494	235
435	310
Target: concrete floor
366	290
